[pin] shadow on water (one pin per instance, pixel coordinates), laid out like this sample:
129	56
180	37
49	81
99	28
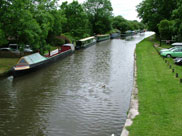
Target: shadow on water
87	93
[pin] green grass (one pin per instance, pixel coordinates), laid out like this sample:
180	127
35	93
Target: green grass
6	64
160	95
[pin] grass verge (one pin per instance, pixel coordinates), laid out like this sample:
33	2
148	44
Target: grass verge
160	95
6	64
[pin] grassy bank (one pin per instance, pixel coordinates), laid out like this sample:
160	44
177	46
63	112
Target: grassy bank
6	64
160	95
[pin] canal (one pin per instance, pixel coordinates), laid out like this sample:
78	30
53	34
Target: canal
86	94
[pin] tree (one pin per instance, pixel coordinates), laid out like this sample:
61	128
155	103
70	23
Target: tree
2	38
77	24
123	25
99	13
153	11
177	18
120	23
165	29
57	28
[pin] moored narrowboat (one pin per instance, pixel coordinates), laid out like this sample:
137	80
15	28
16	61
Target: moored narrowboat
35	61
115	35
102	37
86	42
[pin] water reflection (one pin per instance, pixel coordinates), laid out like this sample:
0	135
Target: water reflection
85	94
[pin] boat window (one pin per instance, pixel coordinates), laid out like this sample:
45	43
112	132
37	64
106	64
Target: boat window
22	61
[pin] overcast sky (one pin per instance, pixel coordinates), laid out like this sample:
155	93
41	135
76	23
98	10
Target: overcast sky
125	8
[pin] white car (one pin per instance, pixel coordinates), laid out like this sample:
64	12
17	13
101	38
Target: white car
177	44
162	50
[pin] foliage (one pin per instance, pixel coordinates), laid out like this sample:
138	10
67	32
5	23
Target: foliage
77	24
38	22
99	13
153	11
165	29
123	25
2	38
177	18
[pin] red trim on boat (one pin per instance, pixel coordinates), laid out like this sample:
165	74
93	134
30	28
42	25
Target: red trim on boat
63	49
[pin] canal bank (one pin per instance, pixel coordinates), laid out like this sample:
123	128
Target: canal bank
159	95
134	104
6	65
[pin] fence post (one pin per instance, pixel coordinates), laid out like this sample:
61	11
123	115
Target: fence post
173	70
180	80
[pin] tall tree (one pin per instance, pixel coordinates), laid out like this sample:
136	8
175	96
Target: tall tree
153	11
177	18
77	24
165	29
100	13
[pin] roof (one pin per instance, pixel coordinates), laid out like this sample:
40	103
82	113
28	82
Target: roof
33	58
88	38
103	35
177	44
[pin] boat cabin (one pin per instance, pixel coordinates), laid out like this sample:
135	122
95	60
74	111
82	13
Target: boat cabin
26	61
85	42
102	37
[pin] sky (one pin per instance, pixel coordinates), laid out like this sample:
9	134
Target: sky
125	8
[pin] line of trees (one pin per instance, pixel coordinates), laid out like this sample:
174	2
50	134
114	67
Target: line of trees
38	22
163	17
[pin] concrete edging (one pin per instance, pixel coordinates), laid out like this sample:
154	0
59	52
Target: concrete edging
133	109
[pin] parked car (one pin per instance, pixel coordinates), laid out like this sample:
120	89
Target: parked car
167	49
176	52
14	48
178	61
177	44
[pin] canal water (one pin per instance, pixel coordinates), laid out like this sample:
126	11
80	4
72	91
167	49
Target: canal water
86	94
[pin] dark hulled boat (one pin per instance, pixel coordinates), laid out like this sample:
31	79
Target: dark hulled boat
102	37
86	42
35	61
115	35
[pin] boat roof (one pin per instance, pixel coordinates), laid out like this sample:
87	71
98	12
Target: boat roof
33	58
177	44
88	38
103	35
68	44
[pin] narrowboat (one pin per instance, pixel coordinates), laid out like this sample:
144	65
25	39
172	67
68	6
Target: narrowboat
35	61
86	42
115	35
102	37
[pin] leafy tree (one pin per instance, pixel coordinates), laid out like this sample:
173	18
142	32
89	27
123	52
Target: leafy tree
123	25
177	18
165	29
99	13
77	24
57	28
2	38
120	23
18	23
153	11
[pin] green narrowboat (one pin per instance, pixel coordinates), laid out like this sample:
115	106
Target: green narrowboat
102	37
86	42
